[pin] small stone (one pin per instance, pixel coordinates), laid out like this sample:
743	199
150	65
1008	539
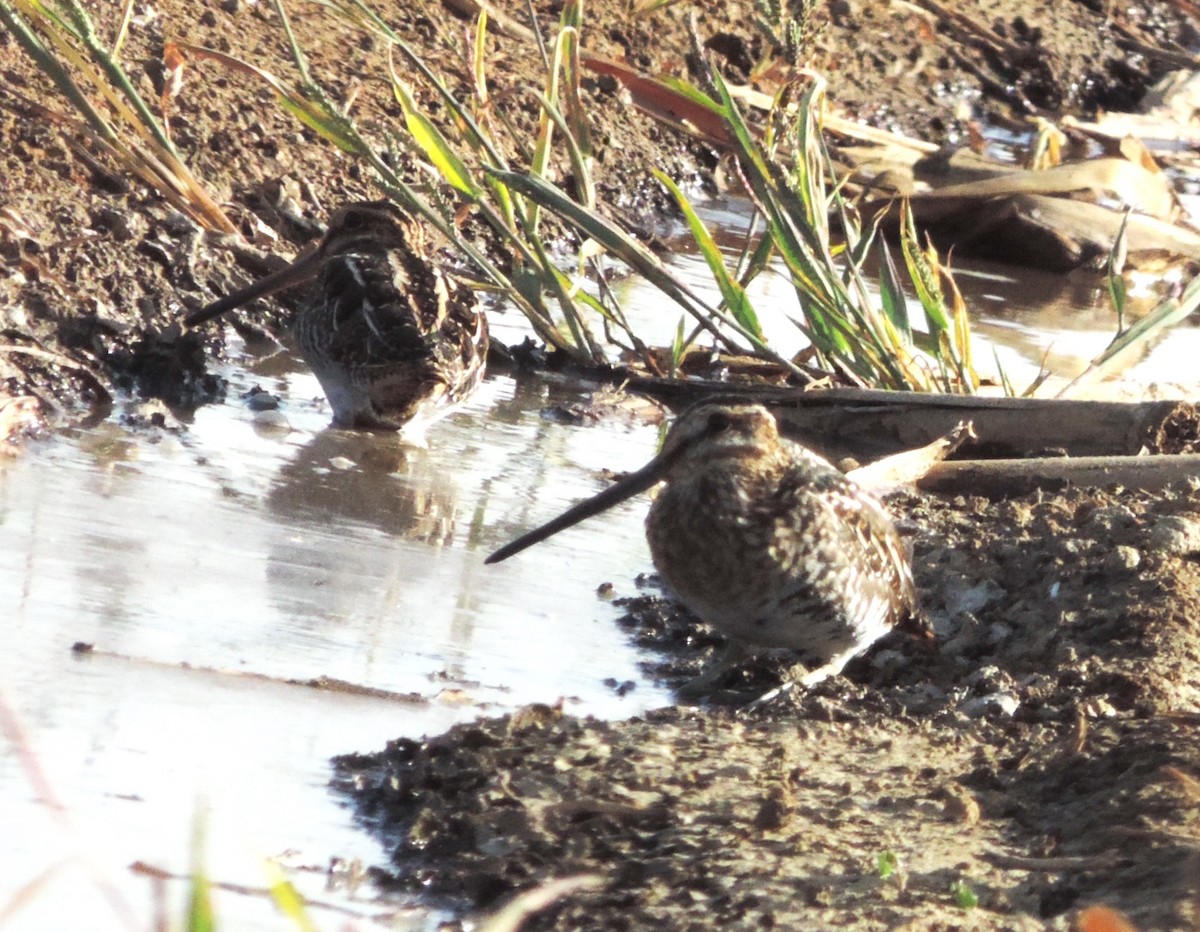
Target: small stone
1002	704
1122	559
973	598
1098	707
1176	535
959	805
1065	655
1108	518
260	400
151	413
773	814
119	223
179	224
990	678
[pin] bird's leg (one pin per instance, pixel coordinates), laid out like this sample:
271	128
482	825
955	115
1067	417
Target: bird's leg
800	676
720	664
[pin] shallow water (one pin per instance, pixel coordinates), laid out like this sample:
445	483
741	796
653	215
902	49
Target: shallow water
218	568
211	567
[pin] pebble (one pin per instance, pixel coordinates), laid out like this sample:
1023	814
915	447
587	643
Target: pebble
260	400
1108	518
179	224
1176	535
1001	703
1122	559
973	598
990	679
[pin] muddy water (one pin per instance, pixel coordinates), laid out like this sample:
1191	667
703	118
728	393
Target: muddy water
216	570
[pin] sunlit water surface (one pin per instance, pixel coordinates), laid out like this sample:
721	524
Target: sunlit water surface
213	568
217	569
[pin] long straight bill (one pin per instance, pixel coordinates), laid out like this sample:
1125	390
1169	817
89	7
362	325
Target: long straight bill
302	269
616	493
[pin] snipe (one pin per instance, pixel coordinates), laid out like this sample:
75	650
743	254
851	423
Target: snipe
765	541
391	339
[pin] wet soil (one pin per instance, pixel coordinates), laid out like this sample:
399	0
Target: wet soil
1025	759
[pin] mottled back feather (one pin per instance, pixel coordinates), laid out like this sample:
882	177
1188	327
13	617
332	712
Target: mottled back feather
387	333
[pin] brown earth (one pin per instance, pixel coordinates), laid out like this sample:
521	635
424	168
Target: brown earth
99	269
1024	759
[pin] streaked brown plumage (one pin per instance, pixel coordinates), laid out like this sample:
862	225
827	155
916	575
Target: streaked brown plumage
765	541
390	337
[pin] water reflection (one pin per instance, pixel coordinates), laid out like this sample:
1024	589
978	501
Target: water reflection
373	480
192	560
360	535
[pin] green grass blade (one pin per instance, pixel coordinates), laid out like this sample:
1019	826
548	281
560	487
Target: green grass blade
1169	312
431	141
579	160
200	914
891	294
479	60
923	275
287	899
734	295
649	267
690	92
638	257
679	347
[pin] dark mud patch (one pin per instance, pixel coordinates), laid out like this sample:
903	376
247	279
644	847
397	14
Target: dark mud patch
1024	759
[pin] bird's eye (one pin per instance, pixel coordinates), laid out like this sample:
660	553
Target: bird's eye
353	220
718	422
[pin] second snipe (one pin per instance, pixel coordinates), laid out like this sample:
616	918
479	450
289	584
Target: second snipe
766	542
391	338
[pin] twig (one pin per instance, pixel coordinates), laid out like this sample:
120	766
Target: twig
497	21
531	902
1062	863
158	873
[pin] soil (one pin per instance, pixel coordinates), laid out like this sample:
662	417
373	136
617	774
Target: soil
1023	760
99	269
